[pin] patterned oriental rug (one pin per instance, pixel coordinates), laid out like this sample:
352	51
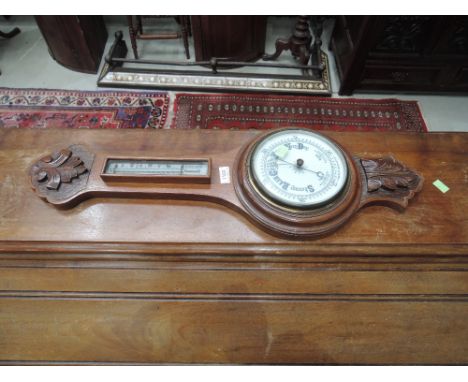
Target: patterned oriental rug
247	111
39	108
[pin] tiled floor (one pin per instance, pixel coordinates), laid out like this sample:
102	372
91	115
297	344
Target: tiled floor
25	62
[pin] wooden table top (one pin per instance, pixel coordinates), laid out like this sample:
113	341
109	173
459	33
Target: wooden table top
434	223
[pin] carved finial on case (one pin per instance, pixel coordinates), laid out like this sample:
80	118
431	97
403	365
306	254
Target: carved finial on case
390	181
57	168
62	175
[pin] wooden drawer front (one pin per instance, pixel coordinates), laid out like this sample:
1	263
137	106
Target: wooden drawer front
213	330
210	313
400	75
390	280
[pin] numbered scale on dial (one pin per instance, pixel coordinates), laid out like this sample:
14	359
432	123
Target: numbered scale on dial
298	168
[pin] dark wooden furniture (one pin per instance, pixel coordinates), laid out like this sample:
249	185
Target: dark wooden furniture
76	42
235	38
136	32
401	53
177	281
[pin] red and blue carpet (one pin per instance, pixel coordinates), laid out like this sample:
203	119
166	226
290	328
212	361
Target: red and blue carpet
40	108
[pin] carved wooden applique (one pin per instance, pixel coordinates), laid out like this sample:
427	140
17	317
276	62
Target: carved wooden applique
57	168
390	180
62	173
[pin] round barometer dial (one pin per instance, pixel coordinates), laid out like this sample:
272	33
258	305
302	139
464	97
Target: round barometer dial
298	168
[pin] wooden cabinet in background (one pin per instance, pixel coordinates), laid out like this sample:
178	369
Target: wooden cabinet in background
401	53
237	38
76	42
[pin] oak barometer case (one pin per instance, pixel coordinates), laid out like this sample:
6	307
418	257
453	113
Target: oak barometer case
292	182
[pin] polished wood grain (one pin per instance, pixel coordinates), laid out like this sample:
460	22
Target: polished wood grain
217	331
175	281
431	217
198	279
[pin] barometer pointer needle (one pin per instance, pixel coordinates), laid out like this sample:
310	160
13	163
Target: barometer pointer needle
299	165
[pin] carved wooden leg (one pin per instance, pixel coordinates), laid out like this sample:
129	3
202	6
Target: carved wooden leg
132	32
298	43
304	55
281	44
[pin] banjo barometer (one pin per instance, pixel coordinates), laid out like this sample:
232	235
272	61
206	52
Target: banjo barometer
292	182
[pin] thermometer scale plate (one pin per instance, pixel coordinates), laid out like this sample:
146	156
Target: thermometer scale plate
162	170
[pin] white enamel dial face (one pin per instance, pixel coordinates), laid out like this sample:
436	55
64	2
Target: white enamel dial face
299	168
